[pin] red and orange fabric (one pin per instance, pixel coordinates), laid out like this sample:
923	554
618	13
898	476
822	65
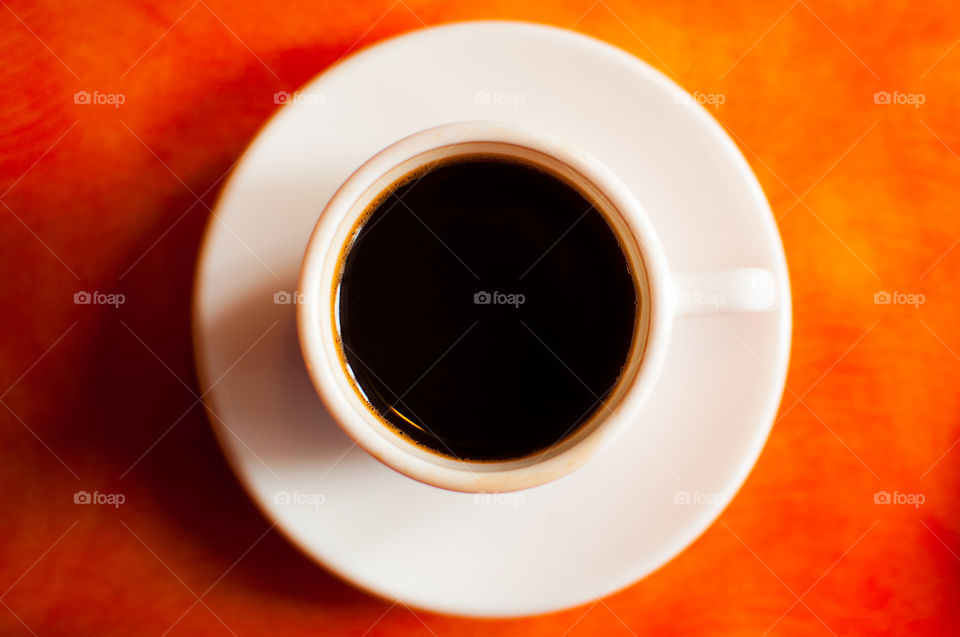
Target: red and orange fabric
865	190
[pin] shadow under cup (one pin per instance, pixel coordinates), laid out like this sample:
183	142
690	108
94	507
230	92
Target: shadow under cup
384	407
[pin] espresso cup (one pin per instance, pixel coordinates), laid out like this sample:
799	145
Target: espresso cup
663	297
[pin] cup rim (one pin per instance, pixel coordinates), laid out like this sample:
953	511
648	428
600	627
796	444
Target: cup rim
319	339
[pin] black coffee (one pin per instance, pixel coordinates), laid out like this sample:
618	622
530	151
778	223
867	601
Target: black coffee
486	308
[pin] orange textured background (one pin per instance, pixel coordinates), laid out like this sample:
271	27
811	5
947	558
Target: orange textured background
99	198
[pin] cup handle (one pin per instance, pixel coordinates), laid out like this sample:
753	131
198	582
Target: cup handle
739	290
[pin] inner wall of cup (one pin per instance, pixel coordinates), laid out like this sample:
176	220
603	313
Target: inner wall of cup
411	169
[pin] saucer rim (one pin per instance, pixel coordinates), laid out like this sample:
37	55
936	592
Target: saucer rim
736	478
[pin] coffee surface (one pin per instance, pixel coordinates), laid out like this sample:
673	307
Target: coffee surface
485	308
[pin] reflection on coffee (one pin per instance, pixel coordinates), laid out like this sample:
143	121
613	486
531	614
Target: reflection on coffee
485	308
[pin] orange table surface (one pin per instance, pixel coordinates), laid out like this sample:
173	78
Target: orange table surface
847	112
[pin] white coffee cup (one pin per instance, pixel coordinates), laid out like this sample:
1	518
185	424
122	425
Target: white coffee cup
664	296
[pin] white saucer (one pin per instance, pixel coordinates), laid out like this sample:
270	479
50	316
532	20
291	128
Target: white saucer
555	546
